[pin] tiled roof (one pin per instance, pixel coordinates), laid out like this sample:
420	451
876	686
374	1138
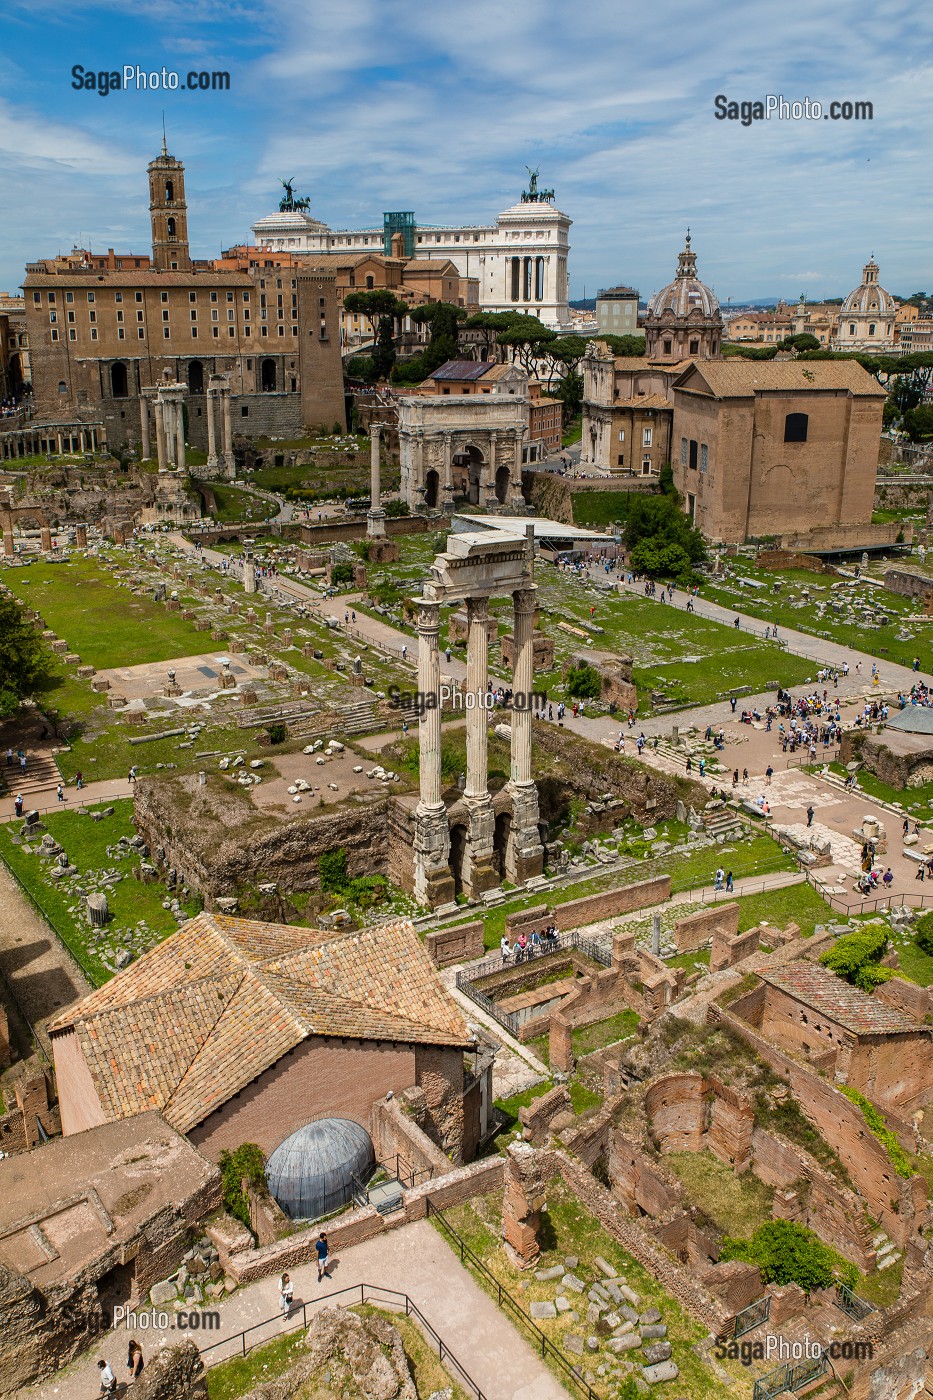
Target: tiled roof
850	1008
738	378
644	401
203	1014
462	369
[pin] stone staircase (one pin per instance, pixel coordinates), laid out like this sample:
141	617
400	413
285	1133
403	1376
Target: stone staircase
42	775
356	718
886	1251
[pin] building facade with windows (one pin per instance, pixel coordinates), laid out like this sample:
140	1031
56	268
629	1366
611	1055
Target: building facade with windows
768	448
867	316
520	263
99	336
617	311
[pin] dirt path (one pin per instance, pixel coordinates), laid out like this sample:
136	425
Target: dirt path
42	974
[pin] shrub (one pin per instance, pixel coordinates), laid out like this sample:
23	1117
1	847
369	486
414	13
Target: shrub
277	733
341	573
332	869
855	957
394	509
787	1252
246	1160
583	682
923	934
879	1128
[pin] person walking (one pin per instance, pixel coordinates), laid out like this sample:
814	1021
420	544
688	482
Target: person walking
108	1381
730	883
810	815
9	758
60	793
720	876
768	772
447	653
18	805
286	1293
323	1254
134	1359
505	948
732	702
737	624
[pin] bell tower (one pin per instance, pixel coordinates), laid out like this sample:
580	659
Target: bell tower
169	213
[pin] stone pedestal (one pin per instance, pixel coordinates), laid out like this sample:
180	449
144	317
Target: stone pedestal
522	1204
45	538
81	536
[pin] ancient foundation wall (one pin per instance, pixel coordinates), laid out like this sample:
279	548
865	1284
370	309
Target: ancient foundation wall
697	929
456	945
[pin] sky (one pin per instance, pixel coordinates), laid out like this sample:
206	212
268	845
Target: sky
386	104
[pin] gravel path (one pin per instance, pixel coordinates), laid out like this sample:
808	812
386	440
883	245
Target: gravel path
40	971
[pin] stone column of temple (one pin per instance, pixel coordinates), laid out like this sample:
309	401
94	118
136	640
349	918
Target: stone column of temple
525	854
228	432
81	536
447	489
211	430
161	444
144	428
376	519
45	538
477	723
515	476
433	882
180	436
488	493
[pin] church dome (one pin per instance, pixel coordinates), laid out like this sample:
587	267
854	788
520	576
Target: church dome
315	1171
869	297
686	293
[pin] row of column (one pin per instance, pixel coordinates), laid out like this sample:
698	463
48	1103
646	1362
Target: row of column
32	441
218	387
168	410
524	853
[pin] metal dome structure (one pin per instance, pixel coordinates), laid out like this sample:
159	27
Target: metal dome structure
311	1173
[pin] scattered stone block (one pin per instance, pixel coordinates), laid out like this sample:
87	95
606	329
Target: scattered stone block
573	1343
627	1342
664	1371
571	1281
546	1310
652	1331
657	1352
605	1267
548	1275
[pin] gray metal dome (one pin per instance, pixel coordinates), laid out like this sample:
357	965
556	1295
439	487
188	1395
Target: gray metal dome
311	1173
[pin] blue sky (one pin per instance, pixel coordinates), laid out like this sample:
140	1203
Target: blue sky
385	104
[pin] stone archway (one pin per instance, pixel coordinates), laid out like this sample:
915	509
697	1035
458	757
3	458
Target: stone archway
118	380
458	844
503	479
195	377
500	840
432	487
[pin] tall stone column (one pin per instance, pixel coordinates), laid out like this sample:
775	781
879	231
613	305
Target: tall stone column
447	489
228	433
488	493
479	870
525	854
433	881
515	497
161	445
211	398
180	437
376	519
144	428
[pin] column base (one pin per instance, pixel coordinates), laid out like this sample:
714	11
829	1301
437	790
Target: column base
524	857
433	880
376	524
479	861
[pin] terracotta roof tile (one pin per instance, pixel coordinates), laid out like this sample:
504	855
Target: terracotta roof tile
849	1007
202	1015
738	378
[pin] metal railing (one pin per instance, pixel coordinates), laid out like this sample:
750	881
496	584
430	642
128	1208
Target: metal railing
542	1343
848	1300
749	1318
355	1296
867	904
790	1377
468	976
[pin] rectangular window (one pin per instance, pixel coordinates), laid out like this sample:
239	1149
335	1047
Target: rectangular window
71	317
72	335
194	313
69	297
37	298
214	313
229	296
213	296
164	315
119	316
230	313
281	330
53	317
621	434
51	298
92	316
166	332
192	296
646	438
54	333
140	333
121	333
194	332
704	456
247	330
215	331
93	332
263	330
163	296
118	297
139	315
139	296
90	296
231	330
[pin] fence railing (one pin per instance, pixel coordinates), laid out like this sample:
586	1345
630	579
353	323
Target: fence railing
790	1377
543	1344
848	1300
360	1293
468	976
869	904
749	1318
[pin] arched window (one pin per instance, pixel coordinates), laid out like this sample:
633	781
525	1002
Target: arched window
170	228
795	427
118	380
62	387
169	191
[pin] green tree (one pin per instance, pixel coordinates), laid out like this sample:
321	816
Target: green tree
856	957
332	870
490	323
527	338
244	1161
443	318
374	305
383	357
570	392
786	1252
625	345
360	367
918	422
803	341
923	934
583	682
24	661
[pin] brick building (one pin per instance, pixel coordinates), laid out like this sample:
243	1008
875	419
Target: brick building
100	333
764	448
859	1040
627	411
238	1031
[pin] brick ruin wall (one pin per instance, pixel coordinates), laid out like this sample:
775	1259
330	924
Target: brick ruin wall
696	930
456	945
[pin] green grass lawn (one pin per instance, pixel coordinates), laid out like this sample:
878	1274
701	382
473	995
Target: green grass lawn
688	961
86	842
586	1039
567	1228
573	431
234	504
918	800
916	965
105	624
737	1204
799	904
597	509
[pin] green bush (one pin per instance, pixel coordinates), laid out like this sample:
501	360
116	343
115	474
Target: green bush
787	1252
923	934
341	573
855	957
879	1128
332	869
277	733
245	1161
394	509
583	682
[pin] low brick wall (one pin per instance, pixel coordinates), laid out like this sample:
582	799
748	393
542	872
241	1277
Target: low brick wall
536	1117
394	1132
592	908
357	1226
728	950
537	917
456	945
697	929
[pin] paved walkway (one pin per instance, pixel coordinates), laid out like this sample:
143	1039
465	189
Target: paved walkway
414	1259
40	971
